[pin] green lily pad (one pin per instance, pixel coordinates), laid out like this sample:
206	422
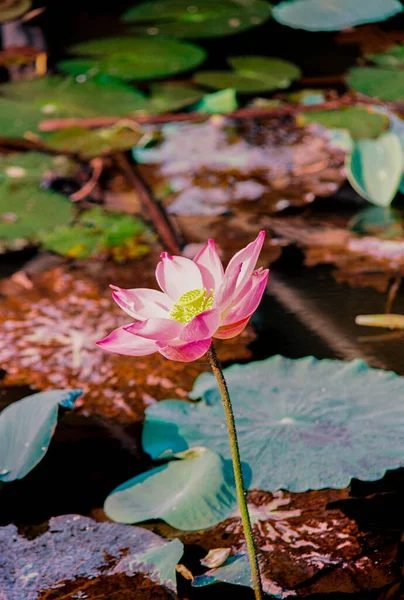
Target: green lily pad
307	97
393	57
386	84
14	9
168	97
139	57
223	101
24	104
379	221
99	233
199	19
26	429
302	424
27	210
97	142
252	74
85	559
375	168
333	15
361	122
195	492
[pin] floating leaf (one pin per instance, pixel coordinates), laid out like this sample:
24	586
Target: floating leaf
393	57
10	10
379	221
84	559
168	97
361	122
100	233
139	57
24	104
195	492
252	74
215	557
98	142
375	168
26	429
26	210
333	15
389	321
219	102
199	19
307	97
299	428
386	84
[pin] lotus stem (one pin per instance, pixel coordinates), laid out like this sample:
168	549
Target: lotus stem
238	474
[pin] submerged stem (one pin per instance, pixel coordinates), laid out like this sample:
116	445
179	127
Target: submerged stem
238	474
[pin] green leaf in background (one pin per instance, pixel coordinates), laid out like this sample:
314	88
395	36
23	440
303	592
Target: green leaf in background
307	97
333	15
252	74
361	122
10	10
27	210
386	84
379	221
168	97
23	104
393	57
26	429
199	19
223	101
97	142
195	492
99	233
75	549
137	58
375	168
302	424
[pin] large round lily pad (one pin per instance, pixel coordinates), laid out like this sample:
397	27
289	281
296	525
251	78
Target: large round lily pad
200	19
85	559
333	15
139	57
252	74
23	104
302	424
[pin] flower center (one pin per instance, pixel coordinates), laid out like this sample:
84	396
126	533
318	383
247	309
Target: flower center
191	304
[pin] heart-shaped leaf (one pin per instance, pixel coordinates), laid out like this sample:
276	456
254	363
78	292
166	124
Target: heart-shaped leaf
27	210
82	558
26	429
136	58
361	122
195	492
333	15
302	424
252	74
386	84
99	233
375	168
199	19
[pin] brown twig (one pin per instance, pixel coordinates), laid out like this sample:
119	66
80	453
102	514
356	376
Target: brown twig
392	293
241	113
97	165
156	213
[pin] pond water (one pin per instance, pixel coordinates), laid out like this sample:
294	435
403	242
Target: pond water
307	311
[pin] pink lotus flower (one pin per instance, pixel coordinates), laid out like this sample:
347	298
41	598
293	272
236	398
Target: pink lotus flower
198	301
